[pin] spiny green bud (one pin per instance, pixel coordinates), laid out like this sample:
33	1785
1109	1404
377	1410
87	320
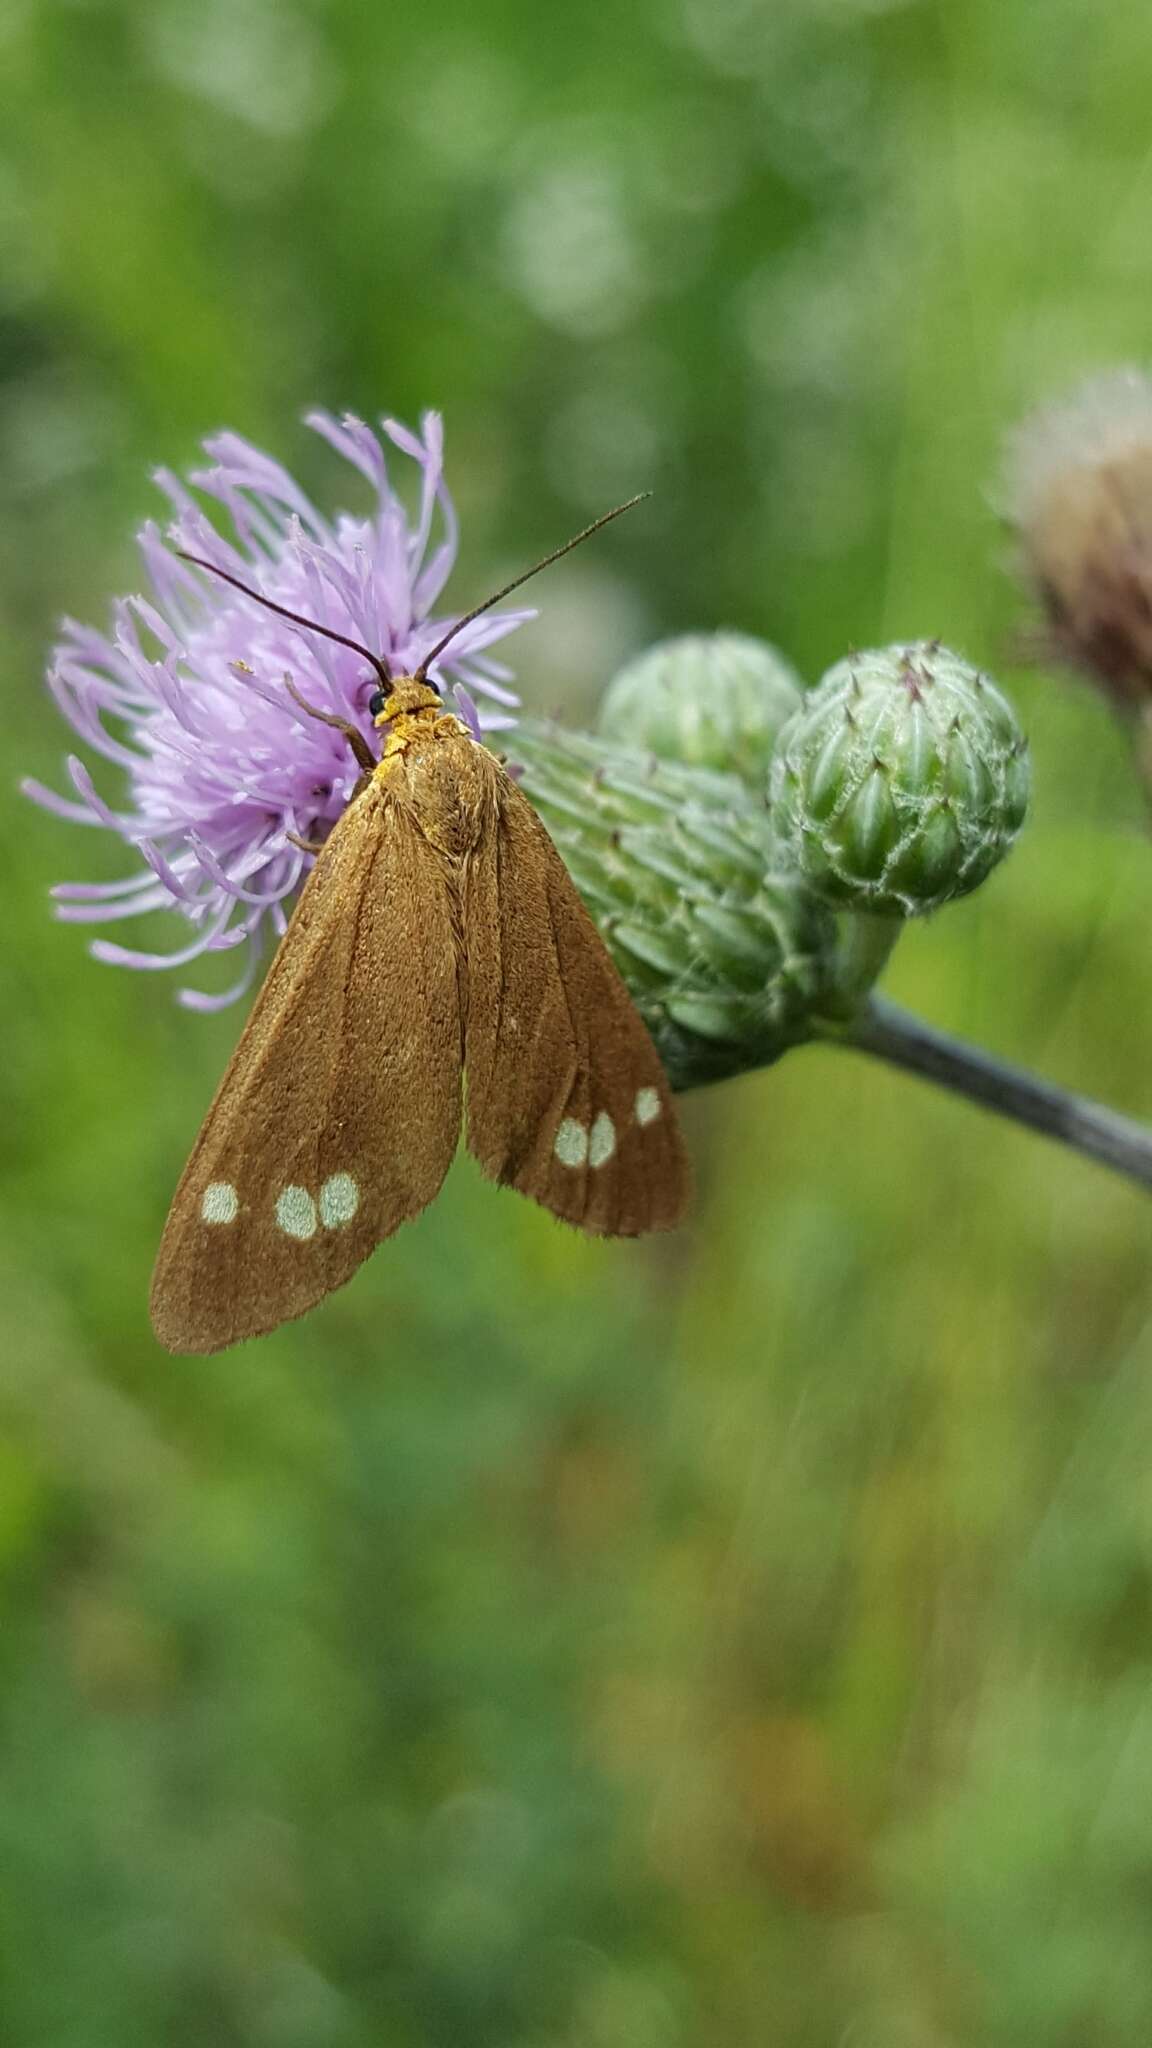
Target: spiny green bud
726	955
711	700
901	782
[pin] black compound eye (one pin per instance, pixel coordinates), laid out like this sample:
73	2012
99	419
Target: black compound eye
376	703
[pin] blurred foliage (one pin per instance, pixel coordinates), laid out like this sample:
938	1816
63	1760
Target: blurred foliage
740	1640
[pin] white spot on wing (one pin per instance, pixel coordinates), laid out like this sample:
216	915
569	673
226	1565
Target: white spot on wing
219	1203
571	1147
339	1200
602	1143
296	1212
647	1105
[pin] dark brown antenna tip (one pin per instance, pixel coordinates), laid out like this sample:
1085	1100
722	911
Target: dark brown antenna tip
604	519
298	619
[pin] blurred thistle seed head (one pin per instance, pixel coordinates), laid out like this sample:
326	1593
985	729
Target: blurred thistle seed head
186	695
901	782
726	951
710	700
1077	490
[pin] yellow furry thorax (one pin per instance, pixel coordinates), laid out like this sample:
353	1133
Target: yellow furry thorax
412	710
409	695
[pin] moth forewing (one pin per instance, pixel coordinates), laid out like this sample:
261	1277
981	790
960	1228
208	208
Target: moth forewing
339	1113
566	1098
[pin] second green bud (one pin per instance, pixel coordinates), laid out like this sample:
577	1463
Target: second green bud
901	782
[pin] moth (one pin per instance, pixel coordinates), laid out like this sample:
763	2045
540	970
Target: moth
439	969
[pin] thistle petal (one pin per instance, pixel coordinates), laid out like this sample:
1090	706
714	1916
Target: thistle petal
186	695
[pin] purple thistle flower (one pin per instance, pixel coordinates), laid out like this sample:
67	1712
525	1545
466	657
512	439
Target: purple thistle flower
187	695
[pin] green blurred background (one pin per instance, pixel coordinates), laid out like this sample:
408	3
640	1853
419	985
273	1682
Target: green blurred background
733	1642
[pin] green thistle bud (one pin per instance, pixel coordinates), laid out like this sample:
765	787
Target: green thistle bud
727	956
901	782
711	700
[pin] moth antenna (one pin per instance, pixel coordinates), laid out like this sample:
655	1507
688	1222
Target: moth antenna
298	619
604	519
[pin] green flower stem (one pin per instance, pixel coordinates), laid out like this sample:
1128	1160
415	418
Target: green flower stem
866	940
892	1034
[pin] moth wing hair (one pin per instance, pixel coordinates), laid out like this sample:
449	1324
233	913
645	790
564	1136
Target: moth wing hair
346	1079
552	1038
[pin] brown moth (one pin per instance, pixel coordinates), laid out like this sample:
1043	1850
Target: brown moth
439	967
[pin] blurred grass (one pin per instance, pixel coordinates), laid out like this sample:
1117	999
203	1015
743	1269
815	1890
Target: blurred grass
741	1640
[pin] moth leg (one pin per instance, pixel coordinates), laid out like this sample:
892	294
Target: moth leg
355	738
306	845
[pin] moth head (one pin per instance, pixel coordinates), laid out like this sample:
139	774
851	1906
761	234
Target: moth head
396	696
404	696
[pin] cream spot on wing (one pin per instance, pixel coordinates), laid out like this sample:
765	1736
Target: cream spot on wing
296	1212
602	1143
219	1203
339	1200
571	1147
647	1105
